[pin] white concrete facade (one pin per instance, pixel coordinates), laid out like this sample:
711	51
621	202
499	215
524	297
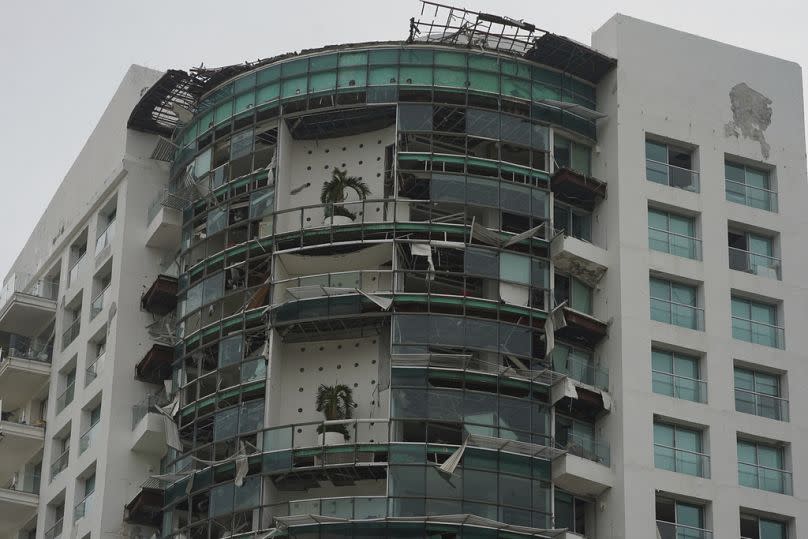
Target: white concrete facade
668	86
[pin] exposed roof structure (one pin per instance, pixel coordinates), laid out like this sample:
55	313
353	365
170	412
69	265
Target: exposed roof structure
179	92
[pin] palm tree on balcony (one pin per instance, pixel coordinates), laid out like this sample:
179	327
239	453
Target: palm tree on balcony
335	402
335	191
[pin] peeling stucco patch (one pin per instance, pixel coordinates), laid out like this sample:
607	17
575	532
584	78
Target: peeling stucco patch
751	115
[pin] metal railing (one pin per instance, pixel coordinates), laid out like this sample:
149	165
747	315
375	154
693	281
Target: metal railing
21	347
748	195
65	398
667	174
680	387
26	284
758	332
72	331
678	314
765	478
141	409
105	237
93	369
348	507
762	265
680	460
671	530
86	439
586	448
673	243
75	270
59	464
97	305
28	483
55	531
83	507
584	371
769	406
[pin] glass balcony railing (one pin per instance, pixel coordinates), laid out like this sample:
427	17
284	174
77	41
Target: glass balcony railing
105	238
55	531
675	244
682	178
65	398
21	347
86	439
671	530
83	507
26	483
93	370
680	387
25	284
142	408
583	370
70	334
758	333
75	271
748	195
585	447
762	265
350	507
679	460
677	314
59	464
762	405
765	478
97	305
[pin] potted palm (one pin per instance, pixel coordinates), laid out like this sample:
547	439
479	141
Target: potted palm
335	402
334	192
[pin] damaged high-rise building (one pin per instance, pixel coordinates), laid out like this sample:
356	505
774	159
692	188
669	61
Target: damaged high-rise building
483	281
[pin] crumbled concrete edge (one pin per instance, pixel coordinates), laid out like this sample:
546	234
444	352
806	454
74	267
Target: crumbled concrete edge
751	115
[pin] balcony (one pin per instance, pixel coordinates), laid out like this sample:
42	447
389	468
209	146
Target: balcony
93	370
348	507
83	507
164	228
146	508
59	464
55	531
579	258
583	329
17	507
27	305
86	439
148	428
105	238
70	334
584	469
66	397
18	442
75	271
155	365
574	188
760	265
161	297
98	303
25	368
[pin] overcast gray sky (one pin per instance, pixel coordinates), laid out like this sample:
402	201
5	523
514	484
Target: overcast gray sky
62	60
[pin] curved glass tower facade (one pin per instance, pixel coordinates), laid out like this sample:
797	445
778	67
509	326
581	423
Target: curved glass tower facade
428	298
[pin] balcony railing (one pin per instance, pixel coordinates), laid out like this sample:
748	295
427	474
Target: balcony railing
65	398
59	464
24	483
93	370
748	195
762	405
678	314
673	243
20	347
105	238
680	460
678	386
747	330
765	478
762	265
347	507
141	409
86	439
584	371
25	284
83	507
97	305
586	448
55	531
75	271
670	530
666	174
71	333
